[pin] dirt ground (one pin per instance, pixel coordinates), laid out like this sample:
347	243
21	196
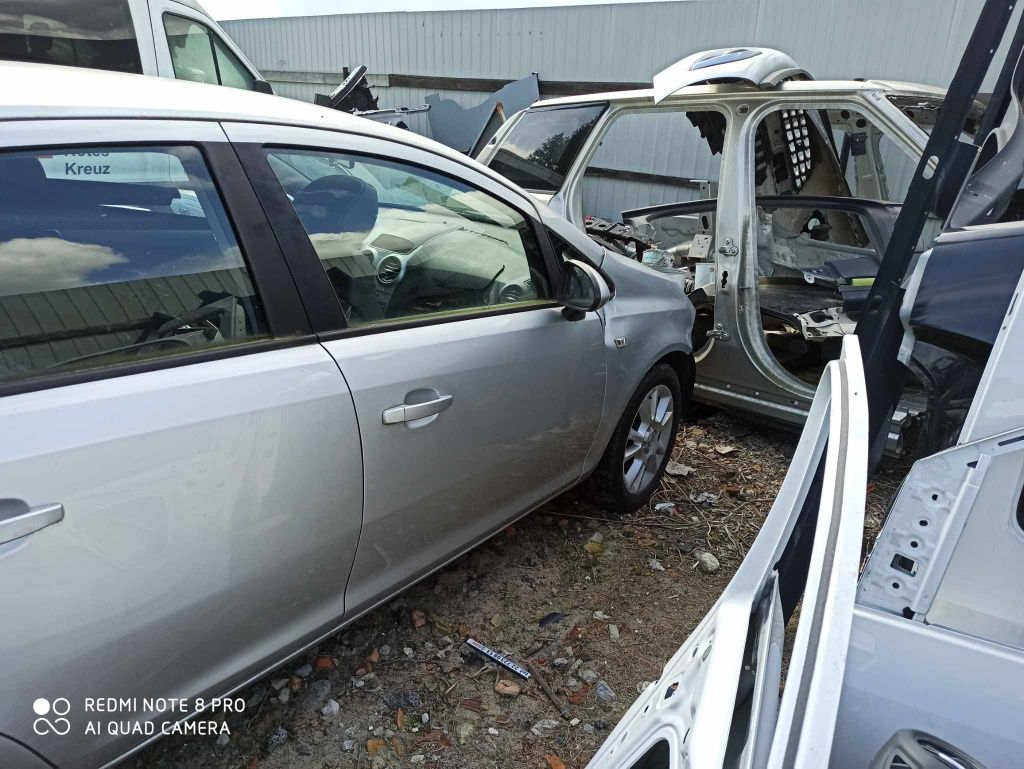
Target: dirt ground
596	604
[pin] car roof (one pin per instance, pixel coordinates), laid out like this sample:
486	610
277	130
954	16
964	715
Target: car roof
720	89
53	92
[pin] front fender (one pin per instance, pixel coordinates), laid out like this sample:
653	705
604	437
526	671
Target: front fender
649	319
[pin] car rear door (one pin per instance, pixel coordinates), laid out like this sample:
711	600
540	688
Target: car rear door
477	398
180	474
717	701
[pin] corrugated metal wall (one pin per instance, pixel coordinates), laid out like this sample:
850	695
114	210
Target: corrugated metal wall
916	40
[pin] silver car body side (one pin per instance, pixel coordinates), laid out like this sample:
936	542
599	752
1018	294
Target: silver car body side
691	705
137	463
268	449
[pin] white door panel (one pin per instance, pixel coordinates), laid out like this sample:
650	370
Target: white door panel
715	702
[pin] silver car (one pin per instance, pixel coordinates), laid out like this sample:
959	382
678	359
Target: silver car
263	365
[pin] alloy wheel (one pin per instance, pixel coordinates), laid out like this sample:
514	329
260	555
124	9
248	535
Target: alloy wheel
647	442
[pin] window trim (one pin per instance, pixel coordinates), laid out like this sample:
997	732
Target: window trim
283	310
322	304
118	370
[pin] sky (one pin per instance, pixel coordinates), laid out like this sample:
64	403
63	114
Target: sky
248	9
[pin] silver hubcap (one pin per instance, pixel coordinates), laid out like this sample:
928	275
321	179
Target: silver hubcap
648	439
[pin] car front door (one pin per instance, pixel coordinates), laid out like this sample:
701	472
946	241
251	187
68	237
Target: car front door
477	398
180	474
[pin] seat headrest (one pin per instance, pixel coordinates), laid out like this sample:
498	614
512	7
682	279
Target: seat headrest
21	176
335	204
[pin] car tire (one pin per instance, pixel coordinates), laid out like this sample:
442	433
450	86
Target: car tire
626	484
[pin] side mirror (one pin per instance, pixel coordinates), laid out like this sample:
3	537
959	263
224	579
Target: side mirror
262	86
583	290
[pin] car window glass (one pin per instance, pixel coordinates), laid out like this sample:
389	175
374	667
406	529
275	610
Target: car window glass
232	72
157	167
191	50
198	54
97	34
651	158
399	242
98	267
541	147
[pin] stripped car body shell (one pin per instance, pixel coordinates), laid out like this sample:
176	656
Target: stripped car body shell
736	368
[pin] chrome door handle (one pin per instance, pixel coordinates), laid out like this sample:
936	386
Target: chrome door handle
17	519
407	412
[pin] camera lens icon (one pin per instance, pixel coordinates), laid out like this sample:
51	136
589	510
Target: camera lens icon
43	707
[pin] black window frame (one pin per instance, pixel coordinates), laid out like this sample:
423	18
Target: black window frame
272	281
322	305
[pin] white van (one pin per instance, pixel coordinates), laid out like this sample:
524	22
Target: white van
167	38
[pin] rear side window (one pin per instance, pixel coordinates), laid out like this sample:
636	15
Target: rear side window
198	54
540	149
116	256
97	34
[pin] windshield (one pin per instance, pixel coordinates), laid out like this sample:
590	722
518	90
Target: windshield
540	149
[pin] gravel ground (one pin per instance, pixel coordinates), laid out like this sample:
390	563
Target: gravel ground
596	604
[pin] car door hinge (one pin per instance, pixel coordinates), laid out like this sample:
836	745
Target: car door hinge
728	248
719	332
